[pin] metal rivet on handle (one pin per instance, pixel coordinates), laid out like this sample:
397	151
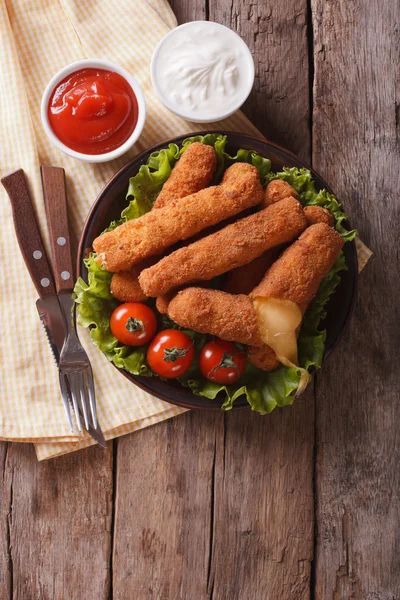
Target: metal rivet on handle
61	241
65	275
37	254
45	282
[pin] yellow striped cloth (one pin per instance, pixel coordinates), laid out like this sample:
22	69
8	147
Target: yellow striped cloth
38	39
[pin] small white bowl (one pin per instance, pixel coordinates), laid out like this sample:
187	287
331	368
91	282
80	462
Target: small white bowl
90	63
195	46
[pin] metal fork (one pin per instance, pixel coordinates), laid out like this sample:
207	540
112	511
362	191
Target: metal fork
76	377
75	372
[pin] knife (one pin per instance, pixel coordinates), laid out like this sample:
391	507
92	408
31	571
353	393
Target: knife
32	249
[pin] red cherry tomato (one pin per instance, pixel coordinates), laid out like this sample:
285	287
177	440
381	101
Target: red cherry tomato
170	353
133	324
222	362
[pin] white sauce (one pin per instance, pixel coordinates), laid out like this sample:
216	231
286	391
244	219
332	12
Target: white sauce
202	71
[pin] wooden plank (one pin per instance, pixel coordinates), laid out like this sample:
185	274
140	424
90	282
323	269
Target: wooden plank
5	510
189	10
356	147
59	524
262	544
163	514
276	33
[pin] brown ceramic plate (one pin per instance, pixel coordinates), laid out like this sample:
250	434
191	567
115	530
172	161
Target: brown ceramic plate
109	205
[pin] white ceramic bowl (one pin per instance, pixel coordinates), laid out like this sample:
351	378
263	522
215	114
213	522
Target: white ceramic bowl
181	43
90	63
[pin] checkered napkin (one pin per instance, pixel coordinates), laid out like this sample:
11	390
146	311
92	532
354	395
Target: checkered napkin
38	39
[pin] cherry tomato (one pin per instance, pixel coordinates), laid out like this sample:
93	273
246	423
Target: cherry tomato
222	362
133	324
170	353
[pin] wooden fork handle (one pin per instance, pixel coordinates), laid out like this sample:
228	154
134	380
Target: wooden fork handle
55	201
28	233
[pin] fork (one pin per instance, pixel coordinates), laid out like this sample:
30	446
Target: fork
75	372
76	377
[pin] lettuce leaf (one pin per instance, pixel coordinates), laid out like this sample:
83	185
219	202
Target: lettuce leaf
301	180
264	391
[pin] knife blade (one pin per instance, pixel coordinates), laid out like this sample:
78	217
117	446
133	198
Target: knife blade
53	321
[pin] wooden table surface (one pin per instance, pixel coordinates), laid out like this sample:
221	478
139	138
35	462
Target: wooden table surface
300	504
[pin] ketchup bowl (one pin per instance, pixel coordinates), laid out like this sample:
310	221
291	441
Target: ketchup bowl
93	110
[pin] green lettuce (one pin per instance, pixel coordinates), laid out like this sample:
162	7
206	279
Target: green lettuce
263	391
301	180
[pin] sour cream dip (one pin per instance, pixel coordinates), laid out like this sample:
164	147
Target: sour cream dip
202	71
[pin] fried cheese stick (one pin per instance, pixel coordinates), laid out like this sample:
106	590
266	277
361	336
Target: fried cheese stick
162	303
234	245
155	231
318	214
296	276
231	318
125	286
244	279
192	173
277	190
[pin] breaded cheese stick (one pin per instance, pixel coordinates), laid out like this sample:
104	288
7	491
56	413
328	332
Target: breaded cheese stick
234	245
263	357
244	279
297	275
231	318
125	285
155	231
192	173
318	214
298	272
277	190
162	302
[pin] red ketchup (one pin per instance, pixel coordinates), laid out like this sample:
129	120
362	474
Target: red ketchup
93	111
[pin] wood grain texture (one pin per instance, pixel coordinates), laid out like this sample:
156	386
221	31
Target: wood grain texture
276	33
262	543
59	524
163	512
55	201
356	148
189	10
28	232
5	512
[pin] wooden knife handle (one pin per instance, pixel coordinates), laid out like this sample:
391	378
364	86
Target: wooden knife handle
28	233
55	201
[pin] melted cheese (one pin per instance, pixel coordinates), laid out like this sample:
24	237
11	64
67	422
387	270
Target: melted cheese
278	321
